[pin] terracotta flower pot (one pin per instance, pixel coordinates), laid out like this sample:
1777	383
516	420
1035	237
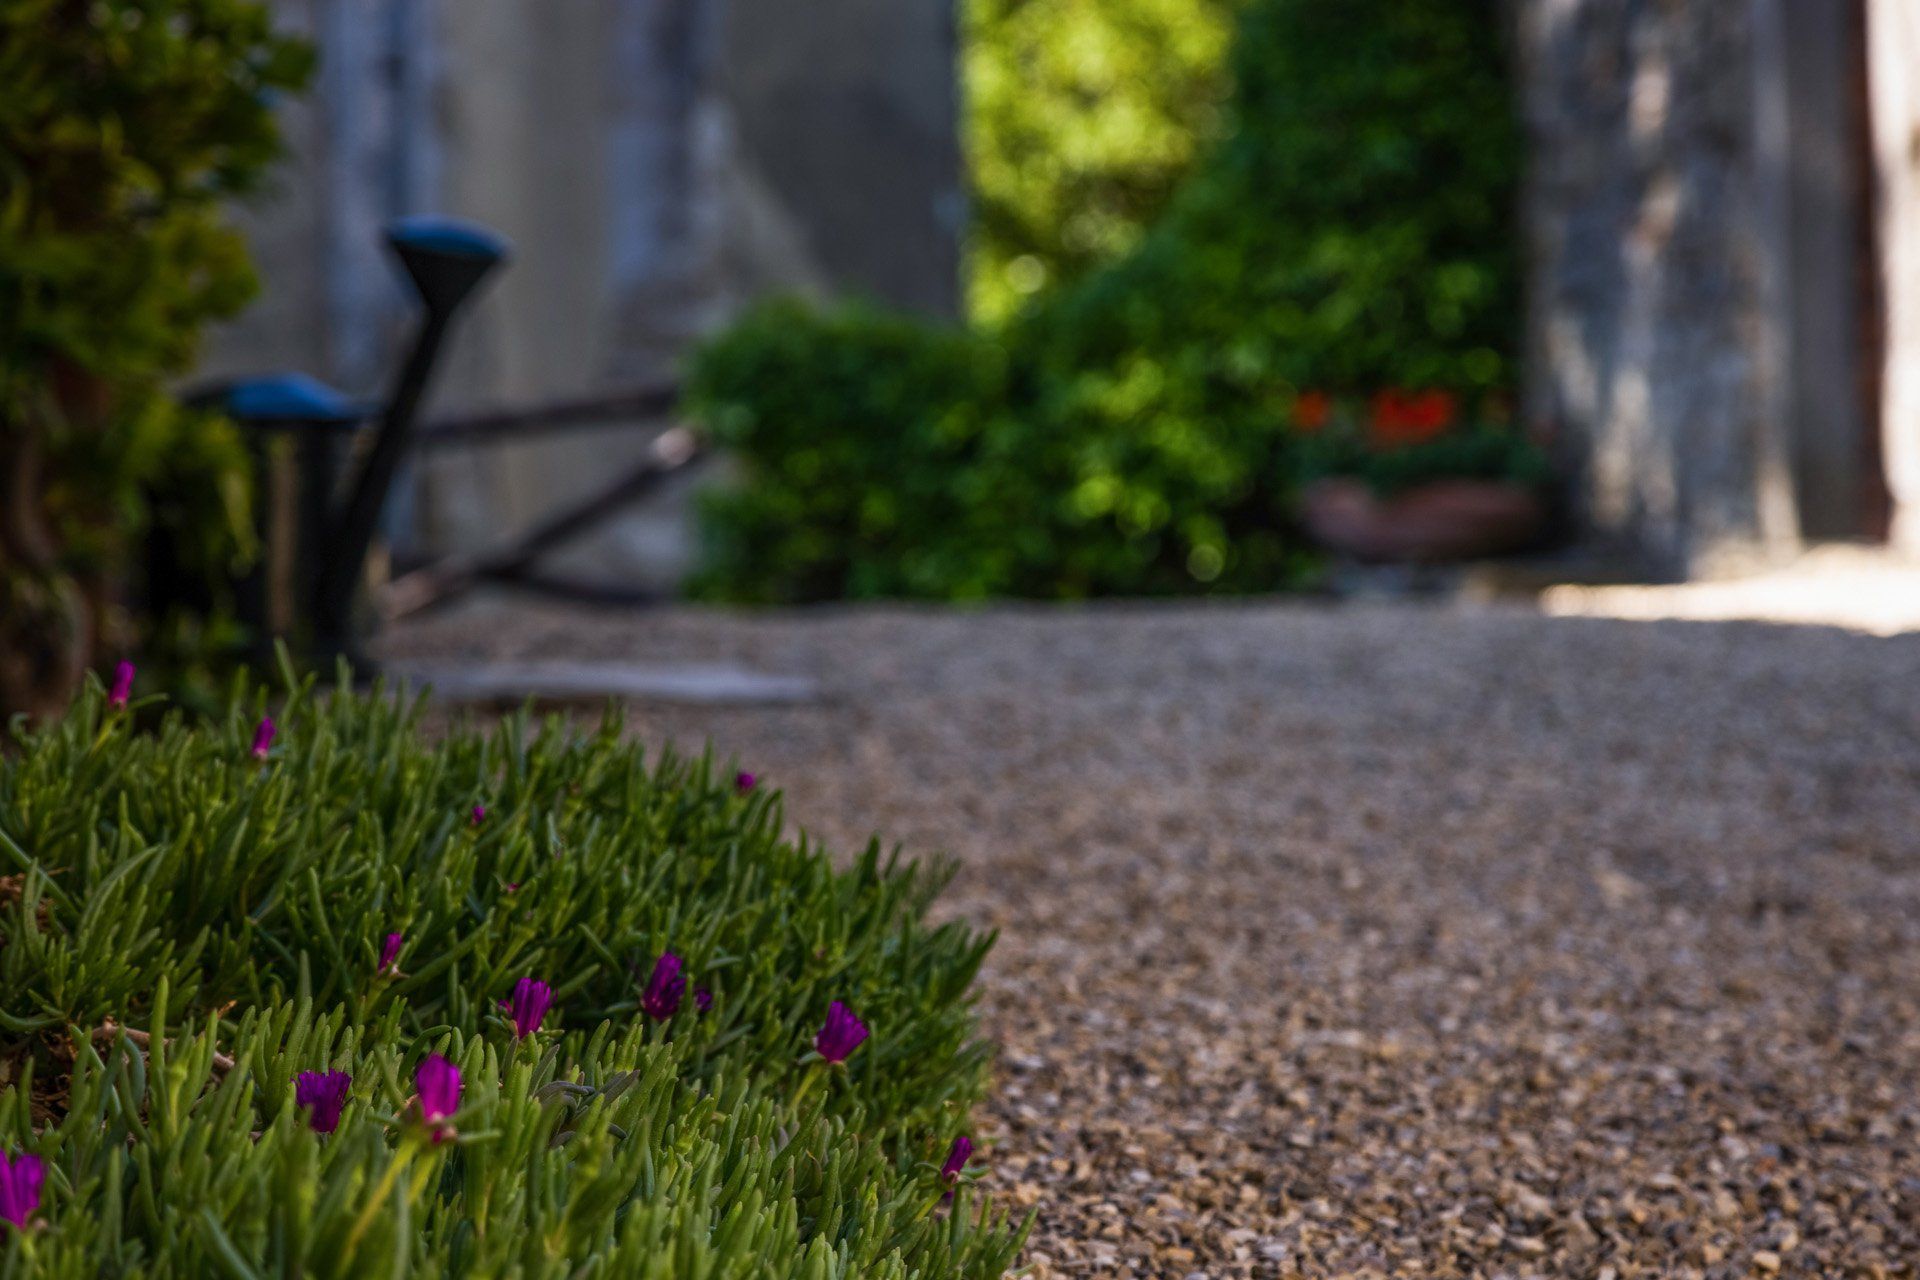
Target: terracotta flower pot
1439	520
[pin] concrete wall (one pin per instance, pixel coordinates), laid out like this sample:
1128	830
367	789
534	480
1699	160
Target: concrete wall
1894	27
1651	275
656	163
1698	257
1822	173
884	215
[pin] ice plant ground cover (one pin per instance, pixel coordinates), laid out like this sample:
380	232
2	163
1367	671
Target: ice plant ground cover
196	943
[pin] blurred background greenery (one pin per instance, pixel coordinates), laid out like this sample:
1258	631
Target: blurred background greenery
1186	216
1081	118
126	129
1179	233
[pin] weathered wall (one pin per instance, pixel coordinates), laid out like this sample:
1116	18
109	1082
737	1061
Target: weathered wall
1826	186
1894	27
655	163
1654	308
885	215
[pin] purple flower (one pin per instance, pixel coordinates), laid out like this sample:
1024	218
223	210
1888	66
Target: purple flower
513	886
661	999
20	1181
438	1084
528	1006
122	685
957	1158
479	814
390	954
263	738
841	1035
743	782
702	999
323	1094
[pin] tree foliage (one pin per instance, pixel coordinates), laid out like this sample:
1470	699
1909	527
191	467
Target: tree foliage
125	127
1082	116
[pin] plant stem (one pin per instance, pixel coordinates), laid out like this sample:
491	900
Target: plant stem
380	1193
806	1085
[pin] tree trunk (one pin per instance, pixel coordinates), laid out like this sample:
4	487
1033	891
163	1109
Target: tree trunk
46	624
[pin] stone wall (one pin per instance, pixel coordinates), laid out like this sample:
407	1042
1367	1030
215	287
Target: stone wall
1653	274
1706	300
1894	30
656	164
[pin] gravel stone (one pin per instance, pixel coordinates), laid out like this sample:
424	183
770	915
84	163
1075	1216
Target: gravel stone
1384	940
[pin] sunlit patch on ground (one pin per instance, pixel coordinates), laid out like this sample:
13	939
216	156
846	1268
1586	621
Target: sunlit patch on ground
1858	588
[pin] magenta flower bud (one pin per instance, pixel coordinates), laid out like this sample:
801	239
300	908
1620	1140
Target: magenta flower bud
390	954
263	738
322	1094
702	999
743	782
531	999
661	999
438	1084
479	814
513	886
122	685
957	1158
21	1178
841	1035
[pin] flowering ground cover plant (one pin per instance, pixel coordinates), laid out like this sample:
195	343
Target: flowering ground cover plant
326	998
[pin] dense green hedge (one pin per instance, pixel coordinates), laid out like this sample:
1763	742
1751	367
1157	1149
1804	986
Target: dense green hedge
126	128
237	907
885	460
1132	432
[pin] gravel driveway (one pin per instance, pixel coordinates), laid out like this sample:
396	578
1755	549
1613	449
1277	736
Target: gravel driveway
1385	940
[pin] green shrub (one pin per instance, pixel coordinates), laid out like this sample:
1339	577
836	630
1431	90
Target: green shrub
125	128
887	460
1131	433
1353	231
862	432
237	909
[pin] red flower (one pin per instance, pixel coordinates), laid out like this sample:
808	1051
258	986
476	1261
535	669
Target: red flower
1433	410
1411	417
1311	409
